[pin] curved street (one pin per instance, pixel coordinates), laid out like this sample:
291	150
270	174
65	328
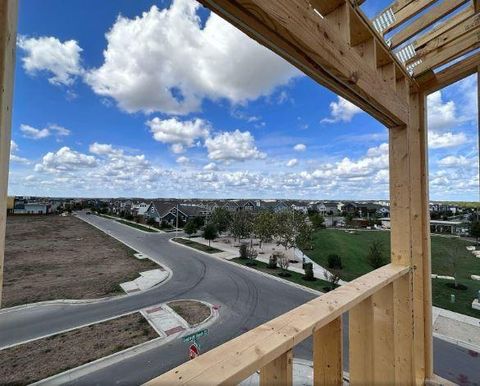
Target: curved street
246	299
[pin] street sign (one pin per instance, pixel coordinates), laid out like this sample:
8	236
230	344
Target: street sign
193	337
193	351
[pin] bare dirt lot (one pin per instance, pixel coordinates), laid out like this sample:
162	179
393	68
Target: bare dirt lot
192	311
30	362
54	257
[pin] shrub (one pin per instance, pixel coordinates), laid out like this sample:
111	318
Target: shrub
334	261
272	261
308	272
243	251
375	256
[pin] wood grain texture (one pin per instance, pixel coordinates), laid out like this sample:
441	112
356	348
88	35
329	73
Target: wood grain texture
328	354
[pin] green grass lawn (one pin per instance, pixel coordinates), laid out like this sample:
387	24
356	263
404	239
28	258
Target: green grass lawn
137	226
194	244
353	249
319	285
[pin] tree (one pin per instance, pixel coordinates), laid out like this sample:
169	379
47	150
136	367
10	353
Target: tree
151	221
318	222
284	263
334	261
375	256
475	230
264	226
221	218
252	256
284	229
210	232
304	238
242	225
190	228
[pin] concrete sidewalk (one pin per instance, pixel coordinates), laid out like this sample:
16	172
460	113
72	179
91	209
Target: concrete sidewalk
146	280
459	329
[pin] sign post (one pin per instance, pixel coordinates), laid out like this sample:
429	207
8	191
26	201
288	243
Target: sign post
194	348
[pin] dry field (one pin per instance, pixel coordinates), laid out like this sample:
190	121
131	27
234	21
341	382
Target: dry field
32	361
53	257
192	311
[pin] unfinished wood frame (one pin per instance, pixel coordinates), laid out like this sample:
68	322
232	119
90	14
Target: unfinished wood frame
8	33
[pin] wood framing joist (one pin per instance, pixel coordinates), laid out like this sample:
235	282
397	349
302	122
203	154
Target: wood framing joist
452	44
431	82
420	24
312	42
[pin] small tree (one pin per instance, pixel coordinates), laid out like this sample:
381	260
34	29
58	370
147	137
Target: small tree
242	225
264	226
190	228
309	276
334	261
284	263
222	219
252	256
317	220
375	256
151	221
210	233
332	277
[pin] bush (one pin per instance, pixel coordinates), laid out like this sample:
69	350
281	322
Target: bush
375	256
308	272
334	261
243	251
272	262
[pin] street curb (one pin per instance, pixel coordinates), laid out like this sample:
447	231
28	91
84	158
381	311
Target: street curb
170	272
298	286
118	219
456	342
101	363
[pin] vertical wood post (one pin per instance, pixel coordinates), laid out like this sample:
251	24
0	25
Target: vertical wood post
8	35
278	372
410	237
361	355
328	354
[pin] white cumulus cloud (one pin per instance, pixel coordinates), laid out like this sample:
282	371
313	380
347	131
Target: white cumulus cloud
342	111
65	159
300	147
174	62
292	162
46	53
233	146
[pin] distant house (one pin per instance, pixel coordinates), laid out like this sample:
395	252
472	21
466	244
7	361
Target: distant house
166	212
231	206
328	208
139	209
25	207
274	206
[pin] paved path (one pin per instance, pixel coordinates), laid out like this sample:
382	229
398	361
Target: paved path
246	299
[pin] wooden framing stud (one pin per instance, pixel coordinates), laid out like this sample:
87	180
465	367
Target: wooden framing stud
328	354
278	372
361	352
8	33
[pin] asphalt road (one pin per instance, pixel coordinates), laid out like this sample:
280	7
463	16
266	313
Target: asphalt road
246	299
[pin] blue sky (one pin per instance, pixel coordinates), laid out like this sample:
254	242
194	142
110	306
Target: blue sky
161	99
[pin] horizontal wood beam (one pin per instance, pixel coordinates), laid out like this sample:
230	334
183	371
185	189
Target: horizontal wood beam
294	30
237	359
458	71
425	21
448	52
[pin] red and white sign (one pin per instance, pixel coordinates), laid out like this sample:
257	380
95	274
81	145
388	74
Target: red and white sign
193	351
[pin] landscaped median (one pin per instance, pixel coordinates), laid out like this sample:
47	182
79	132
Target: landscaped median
137	226
294	277
195	245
